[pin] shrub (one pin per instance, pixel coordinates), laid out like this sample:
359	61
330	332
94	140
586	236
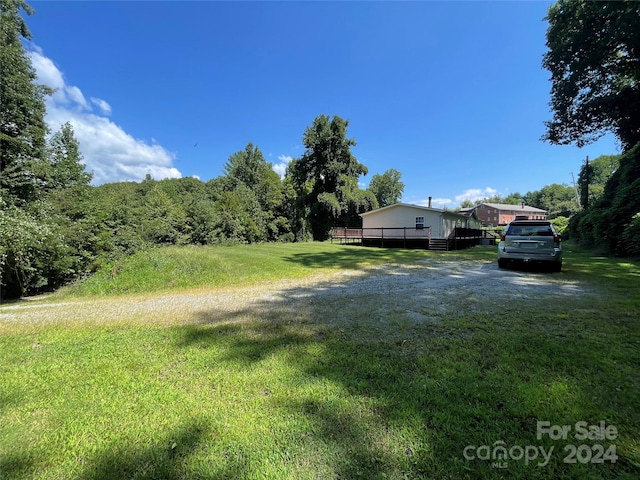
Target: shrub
612	222
33	254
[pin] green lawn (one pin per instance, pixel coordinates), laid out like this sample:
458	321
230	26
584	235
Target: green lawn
172	268
292	395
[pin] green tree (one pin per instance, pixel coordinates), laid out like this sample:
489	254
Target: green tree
325	173
165	218
34	254
387	188
119	209
65	193
497	198
613	221
202	221
248	168
593	56
65	161
354	202
514	198
22	108
557	199
239	217
294	207
594	176
594	59
560	223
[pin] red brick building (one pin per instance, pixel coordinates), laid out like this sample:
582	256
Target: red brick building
496	214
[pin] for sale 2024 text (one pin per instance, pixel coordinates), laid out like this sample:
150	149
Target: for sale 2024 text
583	431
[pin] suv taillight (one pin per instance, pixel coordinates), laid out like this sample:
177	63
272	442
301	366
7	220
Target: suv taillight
502	237
556	238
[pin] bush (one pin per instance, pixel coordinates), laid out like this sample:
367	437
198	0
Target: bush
33	254
631	236
612	222
560	224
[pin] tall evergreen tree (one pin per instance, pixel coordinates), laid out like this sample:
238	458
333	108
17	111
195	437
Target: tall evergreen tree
65	161
249	167
248	170
22	108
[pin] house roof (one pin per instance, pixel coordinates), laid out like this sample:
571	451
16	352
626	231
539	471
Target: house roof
417	207
504	206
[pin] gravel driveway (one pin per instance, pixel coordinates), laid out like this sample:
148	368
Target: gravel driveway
423	292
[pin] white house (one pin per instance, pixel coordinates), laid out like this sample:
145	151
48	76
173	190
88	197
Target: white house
402	215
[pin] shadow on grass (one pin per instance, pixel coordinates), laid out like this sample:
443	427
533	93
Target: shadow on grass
354	256
418	393
16	465
165	458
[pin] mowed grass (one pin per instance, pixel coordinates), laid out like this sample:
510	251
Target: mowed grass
180	268
295	395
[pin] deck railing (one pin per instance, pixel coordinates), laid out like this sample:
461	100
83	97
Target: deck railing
459	237
395	233
460	232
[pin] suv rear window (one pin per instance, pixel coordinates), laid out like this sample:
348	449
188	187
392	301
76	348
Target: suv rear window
530	230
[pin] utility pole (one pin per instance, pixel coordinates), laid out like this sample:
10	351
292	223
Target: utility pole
584	192
575	188
582	195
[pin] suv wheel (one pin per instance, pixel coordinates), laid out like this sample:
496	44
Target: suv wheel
502	263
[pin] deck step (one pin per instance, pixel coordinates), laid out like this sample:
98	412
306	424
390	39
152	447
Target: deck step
441	244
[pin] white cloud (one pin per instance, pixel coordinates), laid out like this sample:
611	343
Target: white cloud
281	168
111	153
104	107
74	95
48	73
474	194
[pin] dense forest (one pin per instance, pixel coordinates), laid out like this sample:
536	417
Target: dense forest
55	227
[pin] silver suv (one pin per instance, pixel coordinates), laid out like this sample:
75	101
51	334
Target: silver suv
530	241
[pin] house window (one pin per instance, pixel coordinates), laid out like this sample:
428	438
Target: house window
419	223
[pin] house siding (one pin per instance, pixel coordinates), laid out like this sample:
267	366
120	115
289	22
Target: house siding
442	223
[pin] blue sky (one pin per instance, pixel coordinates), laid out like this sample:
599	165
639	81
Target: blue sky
452	94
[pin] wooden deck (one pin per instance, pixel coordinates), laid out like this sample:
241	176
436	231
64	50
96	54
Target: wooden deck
407	237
